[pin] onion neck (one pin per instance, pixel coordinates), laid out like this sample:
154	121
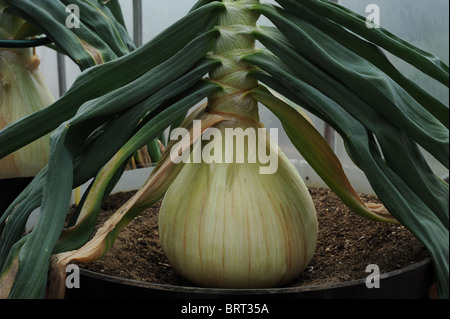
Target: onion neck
234	41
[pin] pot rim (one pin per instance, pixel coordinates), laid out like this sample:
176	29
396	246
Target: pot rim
229	291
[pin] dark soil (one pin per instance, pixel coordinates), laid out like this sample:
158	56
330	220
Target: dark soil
347	243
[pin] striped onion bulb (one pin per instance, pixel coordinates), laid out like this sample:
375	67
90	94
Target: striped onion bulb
223	223
22	91
227	225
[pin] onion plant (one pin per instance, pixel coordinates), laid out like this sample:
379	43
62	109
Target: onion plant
224	224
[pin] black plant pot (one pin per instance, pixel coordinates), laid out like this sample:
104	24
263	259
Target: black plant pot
412	282
11	188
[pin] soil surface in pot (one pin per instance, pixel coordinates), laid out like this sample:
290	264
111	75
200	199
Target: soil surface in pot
347	244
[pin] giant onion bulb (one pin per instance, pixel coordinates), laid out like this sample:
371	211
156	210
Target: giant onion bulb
223	223
227	225
22	92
